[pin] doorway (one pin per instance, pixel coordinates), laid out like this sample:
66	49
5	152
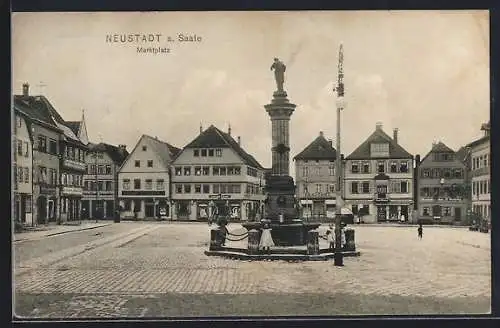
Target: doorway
41	205
458	213
381	213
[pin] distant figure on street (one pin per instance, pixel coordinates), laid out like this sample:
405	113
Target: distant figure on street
330	238
266	240
420	231
402	218
342	236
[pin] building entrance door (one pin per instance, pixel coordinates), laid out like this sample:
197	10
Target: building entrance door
150	210
41	210
458	213
381	213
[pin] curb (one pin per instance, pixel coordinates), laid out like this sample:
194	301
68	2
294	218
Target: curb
59	233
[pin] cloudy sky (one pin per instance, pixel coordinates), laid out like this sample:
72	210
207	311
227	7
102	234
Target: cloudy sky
426	73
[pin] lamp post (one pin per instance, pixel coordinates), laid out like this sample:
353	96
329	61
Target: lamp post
338	256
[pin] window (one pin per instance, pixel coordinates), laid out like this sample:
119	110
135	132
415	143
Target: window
403	167
318	171
366	187
109	186
26	174
42	143
206	170
137	183
127	206
394	167
354	167
197	188
178	188
230	170
457	173
53	177
426	173
197	170
318	188
218	152
204	153
447	173
425	211
354	187
137	163
305	171
196	152
489	186
366	209
101	169
150	163
331	188
331	170
20	172
379	150
187	188
20	147
211	153
404	187
27	208
144	148
149	184
485	161
178	171
187	170
108	169
215	188
42	177
215	170
446	211
425	192
19	121
100	185
366	167
206	188
381	167
26	149
354	209
53	146
160	184
222	170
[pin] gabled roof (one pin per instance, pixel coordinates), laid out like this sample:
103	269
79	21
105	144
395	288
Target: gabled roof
35	108
116	154
319	148
479	141
212	137
379	136
462	154
164	150
439	147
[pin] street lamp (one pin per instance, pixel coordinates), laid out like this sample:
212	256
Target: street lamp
338	256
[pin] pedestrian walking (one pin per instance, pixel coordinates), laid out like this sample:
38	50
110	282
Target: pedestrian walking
420	231
266	240
330	239
403	218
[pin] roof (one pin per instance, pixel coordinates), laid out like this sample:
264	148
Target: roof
116	154
319	148
439	147
164	150
35	108
479	141
379	136
212	137
462	153
74	126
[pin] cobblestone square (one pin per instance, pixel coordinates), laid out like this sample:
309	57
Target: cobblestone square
134	270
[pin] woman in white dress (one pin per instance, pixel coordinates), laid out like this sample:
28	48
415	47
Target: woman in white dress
266	240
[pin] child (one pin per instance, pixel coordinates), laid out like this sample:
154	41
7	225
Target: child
420	231
266	240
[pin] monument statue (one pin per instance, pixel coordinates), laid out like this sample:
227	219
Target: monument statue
279	73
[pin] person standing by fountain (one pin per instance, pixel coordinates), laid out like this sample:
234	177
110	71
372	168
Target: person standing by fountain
266	240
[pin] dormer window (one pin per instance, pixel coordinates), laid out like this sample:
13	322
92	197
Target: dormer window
379	150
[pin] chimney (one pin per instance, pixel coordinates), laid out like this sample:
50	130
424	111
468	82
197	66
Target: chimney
26	89
395	135
201	128
378	126
122	147
330	141
239	140
321	134
229	129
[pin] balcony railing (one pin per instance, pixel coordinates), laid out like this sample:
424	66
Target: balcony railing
74	165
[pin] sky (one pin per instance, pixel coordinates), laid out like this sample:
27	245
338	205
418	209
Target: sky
423	72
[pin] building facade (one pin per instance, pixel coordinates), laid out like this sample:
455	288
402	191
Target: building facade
144	180
100	181
213	174
46	135
22	181
378	179
480	153
442	194
315	178
72	152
